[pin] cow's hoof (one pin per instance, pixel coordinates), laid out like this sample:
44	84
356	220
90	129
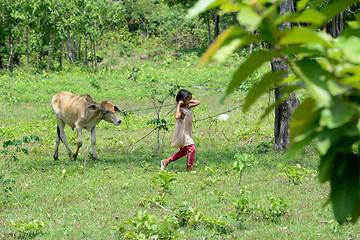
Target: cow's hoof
56	158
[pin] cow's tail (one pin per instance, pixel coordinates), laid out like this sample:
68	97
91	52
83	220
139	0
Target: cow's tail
58	133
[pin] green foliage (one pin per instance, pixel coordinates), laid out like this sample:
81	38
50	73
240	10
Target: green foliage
12	148
6	187
326	67
159	123
296	173
185	216
274	208
243	161
164	179
77	205
30	229
145	226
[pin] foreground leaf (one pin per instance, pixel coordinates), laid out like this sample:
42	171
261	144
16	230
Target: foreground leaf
248	67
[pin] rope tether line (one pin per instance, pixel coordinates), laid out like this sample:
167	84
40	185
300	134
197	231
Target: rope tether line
145	109
172	124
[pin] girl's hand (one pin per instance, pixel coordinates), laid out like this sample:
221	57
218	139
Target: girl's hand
177	111
194	103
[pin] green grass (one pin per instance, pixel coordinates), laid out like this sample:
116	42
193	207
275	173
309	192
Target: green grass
92	200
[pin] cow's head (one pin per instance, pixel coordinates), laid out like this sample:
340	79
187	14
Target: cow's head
108	112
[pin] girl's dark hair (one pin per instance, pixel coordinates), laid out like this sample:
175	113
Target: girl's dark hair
182	95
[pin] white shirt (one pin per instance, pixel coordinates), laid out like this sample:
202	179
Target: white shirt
183	130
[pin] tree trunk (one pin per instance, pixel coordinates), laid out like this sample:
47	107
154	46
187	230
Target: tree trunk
61	54
76	47
49	53
27	48
336	27
70	49
79	49
209	32
11	54
284	111
251	48
95	58
38	59
86	52
109	58
217	26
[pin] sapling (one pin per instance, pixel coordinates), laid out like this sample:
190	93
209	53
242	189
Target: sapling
12	149
243	161
159	97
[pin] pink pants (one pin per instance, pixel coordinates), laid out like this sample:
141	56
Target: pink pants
186	150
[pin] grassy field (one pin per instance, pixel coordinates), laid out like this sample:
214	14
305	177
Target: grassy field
124	195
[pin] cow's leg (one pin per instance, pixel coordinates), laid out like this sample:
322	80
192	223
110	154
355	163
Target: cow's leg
62	136
79	142
56	153
93	142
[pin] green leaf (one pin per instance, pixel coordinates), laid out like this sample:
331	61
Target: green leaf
326	138
25	151
309	49
201	6
17	142
267	81
270	108
225	44
337	115
307	16
8	143
304	116
35	138
303	35
298	146
315	78
301	4
268	31
355	214
327	163
248	67
333	9
345	187
26	139
349	42
249	18
337	89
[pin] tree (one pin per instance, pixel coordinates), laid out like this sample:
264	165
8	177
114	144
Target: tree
286	108
11	27
207	17
326	67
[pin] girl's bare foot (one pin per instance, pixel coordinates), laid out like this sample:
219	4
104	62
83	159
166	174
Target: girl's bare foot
164	163
189	169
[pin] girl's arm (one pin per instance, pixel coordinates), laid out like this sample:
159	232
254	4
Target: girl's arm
194	103
177	111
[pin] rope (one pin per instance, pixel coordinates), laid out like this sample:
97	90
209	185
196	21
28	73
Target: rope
172	124
145	109
216	115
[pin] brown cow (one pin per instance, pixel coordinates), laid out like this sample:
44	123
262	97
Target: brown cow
80	111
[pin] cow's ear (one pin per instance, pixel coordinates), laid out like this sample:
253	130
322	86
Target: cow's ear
116	109
93	107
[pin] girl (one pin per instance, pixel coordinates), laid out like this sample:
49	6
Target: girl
183	131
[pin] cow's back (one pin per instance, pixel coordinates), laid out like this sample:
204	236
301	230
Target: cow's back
70	107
